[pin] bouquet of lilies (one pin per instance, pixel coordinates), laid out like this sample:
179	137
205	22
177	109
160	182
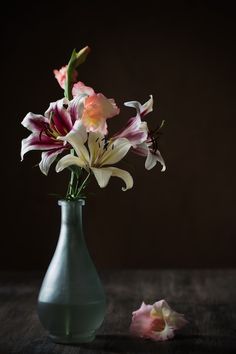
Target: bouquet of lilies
76	126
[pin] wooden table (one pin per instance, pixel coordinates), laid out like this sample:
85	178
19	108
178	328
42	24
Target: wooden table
206	297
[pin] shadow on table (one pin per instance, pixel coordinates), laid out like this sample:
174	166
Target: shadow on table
180	344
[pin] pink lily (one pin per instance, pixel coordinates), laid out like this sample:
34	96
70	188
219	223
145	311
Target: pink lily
92	109
157	321
144	141
58	120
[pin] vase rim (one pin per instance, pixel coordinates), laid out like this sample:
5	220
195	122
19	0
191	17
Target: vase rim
64	201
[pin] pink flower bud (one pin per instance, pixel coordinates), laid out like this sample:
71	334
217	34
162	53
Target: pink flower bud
61	76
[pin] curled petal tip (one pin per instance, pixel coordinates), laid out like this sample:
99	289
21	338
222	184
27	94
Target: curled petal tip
86	49
163	169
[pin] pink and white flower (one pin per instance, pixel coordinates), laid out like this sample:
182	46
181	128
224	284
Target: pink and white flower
96	108
143	140
58	120
90	108
157	321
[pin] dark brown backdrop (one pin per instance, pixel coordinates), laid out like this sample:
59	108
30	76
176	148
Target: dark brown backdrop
182	54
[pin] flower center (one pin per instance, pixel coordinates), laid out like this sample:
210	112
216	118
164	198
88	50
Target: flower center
50	129
103	146
158	323
153	136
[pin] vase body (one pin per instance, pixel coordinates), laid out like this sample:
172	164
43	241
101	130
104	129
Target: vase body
71	301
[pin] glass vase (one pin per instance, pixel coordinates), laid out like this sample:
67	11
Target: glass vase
71	301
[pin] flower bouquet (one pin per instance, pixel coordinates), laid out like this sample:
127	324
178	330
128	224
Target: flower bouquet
76	125
71	303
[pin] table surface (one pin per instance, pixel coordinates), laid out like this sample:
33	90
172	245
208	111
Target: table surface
206	297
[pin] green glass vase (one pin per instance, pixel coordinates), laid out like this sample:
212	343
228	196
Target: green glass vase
71	301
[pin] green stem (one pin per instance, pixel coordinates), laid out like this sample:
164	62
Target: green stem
70	193
83	185
74	189
69	83
70	190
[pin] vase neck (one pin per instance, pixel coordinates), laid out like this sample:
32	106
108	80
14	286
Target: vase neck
71	213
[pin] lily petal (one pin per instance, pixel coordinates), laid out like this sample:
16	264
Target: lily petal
35	141
48	157
153	158
61	116
147	107
34	122
144	109
104	174
78	130
115	151
70	160
77	137
141	149
94	145
135	131
126	176
76	107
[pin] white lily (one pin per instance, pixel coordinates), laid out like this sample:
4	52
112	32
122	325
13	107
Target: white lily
144	141
99	153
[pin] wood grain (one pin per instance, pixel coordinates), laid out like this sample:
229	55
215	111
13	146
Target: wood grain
206	297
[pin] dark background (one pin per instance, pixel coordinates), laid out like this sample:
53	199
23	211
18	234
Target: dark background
184	54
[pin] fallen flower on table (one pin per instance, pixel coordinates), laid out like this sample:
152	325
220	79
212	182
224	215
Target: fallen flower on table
157	322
